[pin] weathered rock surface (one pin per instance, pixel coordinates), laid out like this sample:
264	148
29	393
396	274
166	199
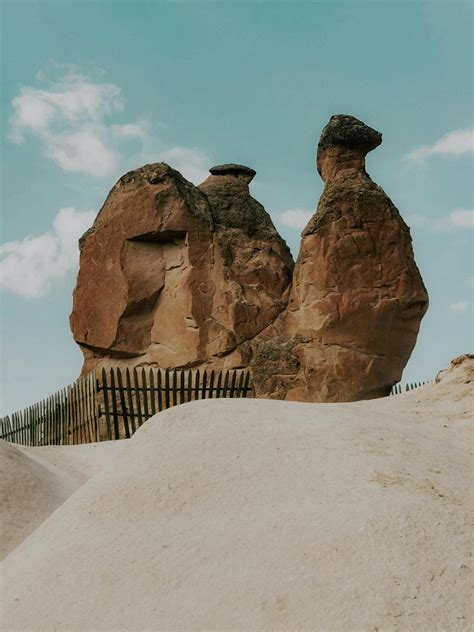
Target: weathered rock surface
165	277
174	275
253	265
357	297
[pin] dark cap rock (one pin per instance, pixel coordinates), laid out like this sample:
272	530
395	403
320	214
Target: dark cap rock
232	169
344	130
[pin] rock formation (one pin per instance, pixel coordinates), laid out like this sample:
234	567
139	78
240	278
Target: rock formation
167	278
357	296
174	275
253	266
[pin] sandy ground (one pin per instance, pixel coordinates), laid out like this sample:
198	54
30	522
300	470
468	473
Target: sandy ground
36	481
252	514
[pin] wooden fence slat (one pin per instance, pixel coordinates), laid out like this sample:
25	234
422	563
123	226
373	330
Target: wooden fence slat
189	386
130	400
67	398
226	383
72	430
160	394
86	391
246	384
84	412
39	424
232	385
48	421
204	384
114	405
167	388
138	397
77	414
219	384
181	387
211	383
75	437
145	395
60	417
238	391
152	393
91	381
79	418
14	428
95	389
106	406
175	387
20	428
122	403
197	378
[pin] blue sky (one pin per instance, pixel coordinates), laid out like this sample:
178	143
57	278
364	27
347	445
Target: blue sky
93	89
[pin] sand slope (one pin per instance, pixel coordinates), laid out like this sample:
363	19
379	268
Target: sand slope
36	481
266	515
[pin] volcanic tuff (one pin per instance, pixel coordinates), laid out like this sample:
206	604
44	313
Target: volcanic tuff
174	275
166	280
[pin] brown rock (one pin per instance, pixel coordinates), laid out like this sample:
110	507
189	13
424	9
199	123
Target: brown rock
357	297
253	265
174	276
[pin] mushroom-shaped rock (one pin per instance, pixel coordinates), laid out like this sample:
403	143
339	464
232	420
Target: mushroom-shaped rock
357	297
172	275
253	264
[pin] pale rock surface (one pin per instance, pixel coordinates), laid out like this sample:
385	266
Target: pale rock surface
357	297
255	514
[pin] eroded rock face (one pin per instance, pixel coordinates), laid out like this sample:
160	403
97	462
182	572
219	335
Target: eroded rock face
253	265
166	280
357	297
174	275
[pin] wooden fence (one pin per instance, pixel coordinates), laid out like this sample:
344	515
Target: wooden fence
397	389
68	417
116	405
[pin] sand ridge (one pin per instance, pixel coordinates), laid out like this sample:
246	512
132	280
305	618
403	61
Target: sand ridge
254	514
34	482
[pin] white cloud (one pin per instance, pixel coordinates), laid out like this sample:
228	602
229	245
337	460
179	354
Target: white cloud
455	143
458	218
462	218
193	164
70	118
296	218
459	307
28	266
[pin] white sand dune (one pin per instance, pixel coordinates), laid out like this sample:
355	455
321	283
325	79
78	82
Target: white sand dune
252	514
36	481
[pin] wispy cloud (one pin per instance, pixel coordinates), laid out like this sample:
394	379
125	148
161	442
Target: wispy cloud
456	143
460	307
194	164
456	219
27	267
72	116
296	218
